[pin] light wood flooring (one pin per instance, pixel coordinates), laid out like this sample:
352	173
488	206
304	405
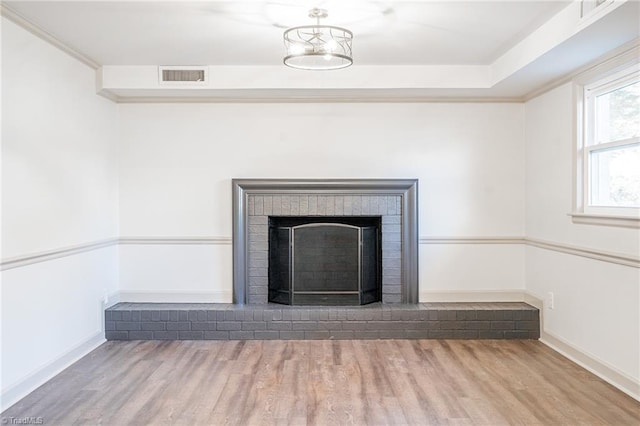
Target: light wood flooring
325	382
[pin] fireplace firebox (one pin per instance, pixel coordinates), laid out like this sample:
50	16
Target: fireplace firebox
324	261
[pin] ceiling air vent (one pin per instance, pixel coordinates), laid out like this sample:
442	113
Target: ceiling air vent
183	75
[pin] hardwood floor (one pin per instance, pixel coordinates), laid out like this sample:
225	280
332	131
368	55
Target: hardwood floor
325	382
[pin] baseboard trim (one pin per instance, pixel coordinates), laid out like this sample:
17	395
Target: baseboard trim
175	297
17	391
600	368
510	295
611	375
472	240
533	301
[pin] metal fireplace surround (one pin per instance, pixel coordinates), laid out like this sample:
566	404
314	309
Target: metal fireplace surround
394	200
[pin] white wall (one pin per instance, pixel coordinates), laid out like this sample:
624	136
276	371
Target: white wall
59	189
176	162
597	304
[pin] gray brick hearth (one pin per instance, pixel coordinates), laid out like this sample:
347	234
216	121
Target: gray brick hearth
201	321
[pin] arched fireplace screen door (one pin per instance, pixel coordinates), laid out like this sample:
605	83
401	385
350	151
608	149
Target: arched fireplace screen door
324	264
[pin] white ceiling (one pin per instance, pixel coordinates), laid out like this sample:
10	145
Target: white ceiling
250	32
403	50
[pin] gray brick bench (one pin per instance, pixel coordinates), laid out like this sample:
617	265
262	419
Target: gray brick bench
215	321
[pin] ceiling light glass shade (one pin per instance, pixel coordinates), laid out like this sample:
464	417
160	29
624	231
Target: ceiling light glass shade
318	47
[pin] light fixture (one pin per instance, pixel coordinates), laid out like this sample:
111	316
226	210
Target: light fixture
318	47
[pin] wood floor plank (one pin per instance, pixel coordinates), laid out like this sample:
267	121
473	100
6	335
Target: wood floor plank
357	382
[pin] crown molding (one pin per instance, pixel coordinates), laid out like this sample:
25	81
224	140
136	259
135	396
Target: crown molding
624	54
628	49
38	31
108	95
294	99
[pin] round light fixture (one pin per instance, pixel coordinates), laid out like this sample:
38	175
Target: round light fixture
318	47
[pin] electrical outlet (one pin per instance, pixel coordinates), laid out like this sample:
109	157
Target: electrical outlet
550	300
105	297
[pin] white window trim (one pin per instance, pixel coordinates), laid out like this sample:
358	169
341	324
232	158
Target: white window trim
590	85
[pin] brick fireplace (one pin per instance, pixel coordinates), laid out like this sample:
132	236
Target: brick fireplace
394	201
251	316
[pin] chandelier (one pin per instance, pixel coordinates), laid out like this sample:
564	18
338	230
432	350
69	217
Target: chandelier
318	47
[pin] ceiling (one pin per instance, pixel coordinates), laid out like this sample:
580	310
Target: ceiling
489	38
250	32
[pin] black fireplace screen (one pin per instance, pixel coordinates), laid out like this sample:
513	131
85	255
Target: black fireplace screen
324	263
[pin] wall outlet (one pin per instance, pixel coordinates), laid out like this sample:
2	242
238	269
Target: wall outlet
550	300
105	297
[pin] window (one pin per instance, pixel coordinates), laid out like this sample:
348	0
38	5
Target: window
609	154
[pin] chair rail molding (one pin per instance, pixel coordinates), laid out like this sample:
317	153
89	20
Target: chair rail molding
43	256
178	240
591	253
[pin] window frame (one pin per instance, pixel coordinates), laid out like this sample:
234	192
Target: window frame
587	91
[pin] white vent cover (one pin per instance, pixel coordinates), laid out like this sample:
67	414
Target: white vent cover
183	75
